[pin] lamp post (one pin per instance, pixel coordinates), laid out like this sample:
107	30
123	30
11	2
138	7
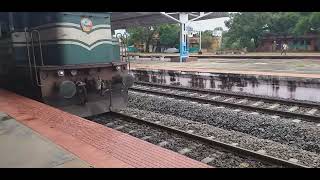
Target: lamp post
200	52
199	32
252	41
220	44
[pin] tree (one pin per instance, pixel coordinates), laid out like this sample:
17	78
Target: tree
302	26
225	41
139	35
282	23
315	21
169	35
206	39
309	23
217	29
243	27
246	29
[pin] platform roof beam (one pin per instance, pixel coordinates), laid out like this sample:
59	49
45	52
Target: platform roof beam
123	20
183	19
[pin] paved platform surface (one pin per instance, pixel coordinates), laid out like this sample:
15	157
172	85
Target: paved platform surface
93	143
248	55
21	147
305	68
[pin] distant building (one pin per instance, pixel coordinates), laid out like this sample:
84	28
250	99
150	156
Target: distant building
271	43
216	43
195	40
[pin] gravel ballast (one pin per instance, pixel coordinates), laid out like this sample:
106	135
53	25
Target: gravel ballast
302	135
190	148
231	137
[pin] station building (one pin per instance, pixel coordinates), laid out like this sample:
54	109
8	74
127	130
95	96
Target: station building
308	42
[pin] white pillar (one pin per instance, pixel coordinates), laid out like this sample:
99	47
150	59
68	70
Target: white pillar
200	42
183	17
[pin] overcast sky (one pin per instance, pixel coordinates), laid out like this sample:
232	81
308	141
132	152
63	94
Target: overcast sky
209	24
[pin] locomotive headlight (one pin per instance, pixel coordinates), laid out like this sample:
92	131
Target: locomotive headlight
73	72
60	73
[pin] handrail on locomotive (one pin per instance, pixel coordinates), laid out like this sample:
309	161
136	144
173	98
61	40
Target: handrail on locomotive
33	53
123	40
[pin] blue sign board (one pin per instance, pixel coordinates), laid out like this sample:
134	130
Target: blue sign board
184	53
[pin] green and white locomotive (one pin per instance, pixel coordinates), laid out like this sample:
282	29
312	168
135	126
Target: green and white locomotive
67	60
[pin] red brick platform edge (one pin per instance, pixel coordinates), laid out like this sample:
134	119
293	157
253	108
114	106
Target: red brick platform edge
96	144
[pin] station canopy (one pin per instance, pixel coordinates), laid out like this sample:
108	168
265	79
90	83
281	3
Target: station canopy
123	20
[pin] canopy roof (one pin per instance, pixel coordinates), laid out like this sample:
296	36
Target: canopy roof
122	20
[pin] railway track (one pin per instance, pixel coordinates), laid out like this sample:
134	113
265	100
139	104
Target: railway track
307	111
198	147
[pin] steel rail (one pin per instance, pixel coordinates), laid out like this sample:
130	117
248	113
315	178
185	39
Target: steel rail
305	117
234	149
267	99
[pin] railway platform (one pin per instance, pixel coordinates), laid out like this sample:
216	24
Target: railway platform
53	138
22	147
261	55
295	68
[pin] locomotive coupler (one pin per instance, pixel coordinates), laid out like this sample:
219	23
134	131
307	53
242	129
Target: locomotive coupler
102	87
82	92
